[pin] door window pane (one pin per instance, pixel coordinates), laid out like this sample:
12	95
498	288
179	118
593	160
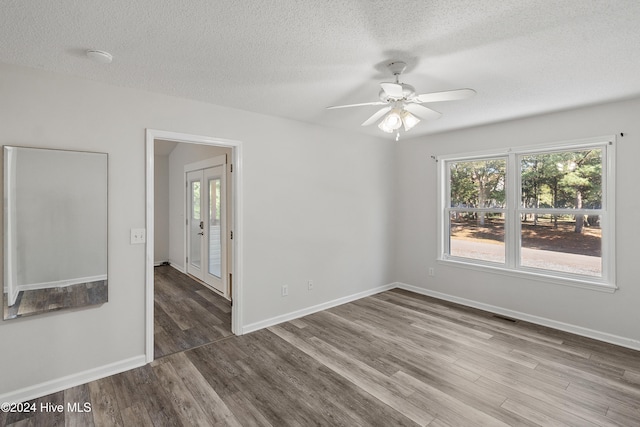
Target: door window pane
195	226
195	200
215	232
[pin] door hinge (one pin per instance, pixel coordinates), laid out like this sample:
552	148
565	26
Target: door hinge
231	234
186	260
186	221
230	167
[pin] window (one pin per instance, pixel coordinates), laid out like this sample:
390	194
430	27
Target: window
545	212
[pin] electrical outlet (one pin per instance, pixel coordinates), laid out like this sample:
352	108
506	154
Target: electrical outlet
431	271
310	285
138	235
285	290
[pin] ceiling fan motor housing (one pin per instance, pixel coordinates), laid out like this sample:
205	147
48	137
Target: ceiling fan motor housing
408	92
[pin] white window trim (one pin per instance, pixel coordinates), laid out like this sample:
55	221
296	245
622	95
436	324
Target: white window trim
607	283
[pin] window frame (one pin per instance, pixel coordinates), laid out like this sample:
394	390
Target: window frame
512	232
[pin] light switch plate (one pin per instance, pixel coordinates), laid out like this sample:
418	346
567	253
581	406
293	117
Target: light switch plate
138	236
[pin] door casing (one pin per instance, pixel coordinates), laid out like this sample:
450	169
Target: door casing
237	208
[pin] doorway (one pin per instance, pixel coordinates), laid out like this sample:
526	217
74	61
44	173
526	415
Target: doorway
214	181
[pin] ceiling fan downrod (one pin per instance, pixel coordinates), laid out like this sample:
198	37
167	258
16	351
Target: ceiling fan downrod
397	68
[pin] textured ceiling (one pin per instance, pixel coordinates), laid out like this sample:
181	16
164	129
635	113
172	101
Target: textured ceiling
293	58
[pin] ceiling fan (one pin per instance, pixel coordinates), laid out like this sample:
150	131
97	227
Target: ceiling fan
402	105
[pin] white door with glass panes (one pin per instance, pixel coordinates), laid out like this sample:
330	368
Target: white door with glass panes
206	226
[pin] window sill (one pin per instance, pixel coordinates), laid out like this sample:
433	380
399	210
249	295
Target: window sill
541	277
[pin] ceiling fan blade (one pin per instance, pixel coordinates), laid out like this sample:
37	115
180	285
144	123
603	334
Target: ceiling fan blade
394	90
448	95
356	105
422	112
376	116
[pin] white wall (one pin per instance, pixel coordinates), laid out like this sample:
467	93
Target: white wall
317	205
182	155
615	314
161	209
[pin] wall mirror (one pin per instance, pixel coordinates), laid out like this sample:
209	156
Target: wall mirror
55	230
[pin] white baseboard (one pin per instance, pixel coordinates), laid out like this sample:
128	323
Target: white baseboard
566	327
178	267
313	309
61	283
59	384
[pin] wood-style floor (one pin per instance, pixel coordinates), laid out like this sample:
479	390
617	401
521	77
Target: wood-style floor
57	298
186	313
393	359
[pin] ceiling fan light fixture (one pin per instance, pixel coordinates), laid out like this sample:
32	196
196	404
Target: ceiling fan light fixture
409	120
383	128
391	122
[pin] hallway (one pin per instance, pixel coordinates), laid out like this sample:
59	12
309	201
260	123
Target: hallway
186	313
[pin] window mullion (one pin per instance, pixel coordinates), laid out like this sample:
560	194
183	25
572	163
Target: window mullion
511	224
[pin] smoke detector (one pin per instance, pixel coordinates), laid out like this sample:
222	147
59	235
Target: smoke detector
99	56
